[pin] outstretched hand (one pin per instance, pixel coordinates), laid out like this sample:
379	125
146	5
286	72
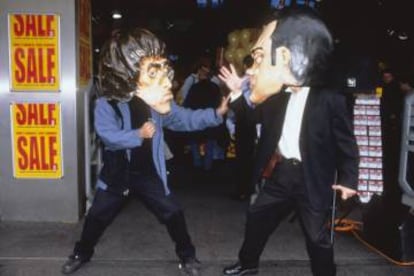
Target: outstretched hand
231	79
345	191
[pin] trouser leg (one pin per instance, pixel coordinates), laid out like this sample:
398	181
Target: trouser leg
195	153
209	149
177	228
104	209
318	244
262	219
168	211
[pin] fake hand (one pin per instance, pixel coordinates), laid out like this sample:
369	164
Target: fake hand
345	192
231	79
147	130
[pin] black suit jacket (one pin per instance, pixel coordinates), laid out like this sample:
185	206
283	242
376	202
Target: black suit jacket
327	143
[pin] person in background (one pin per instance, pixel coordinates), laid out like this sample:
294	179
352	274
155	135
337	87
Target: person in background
203	70
306	127
203	94
135	79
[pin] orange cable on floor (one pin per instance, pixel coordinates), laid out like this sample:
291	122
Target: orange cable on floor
347	225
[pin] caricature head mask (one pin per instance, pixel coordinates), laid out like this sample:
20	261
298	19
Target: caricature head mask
122	58
293	50
309	41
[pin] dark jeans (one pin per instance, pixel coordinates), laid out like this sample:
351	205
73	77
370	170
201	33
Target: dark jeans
150	190
284	192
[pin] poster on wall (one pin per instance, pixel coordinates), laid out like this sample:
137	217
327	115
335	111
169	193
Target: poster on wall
34	52
85	50
36	140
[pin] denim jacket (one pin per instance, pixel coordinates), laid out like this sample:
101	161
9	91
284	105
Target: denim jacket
109	128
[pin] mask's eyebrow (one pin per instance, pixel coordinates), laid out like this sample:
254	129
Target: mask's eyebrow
158	65
254	50
154	65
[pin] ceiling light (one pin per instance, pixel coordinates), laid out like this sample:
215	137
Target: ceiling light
390	32
402	36
116	14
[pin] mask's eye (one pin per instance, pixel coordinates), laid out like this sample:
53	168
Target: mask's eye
152	72
258	56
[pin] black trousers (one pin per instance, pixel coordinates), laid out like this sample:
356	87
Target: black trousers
150	190
284	192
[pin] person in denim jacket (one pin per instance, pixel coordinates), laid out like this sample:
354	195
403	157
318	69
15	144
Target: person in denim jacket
135	79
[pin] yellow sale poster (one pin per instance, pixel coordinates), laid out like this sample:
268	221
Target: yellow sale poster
34	52
36	138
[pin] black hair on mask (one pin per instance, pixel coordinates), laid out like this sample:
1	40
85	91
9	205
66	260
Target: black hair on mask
120	59
309	41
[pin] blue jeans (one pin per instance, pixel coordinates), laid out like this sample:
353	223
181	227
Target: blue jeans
212	151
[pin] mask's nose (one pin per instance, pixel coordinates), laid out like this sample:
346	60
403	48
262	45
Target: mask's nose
165	81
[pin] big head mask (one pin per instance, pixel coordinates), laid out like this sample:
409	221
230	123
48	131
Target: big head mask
135	61
293	50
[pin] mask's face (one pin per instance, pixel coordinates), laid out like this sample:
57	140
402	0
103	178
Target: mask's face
154	83
266	79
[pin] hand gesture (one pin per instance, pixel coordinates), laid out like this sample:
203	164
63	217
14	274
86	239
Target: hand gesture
231	79
345	192
147	130
223	107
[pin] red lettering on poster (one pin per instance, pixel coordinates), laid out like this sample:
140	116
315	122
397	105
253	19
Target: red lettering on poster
23	158
33	152
34	65
19	73
35	114
32	25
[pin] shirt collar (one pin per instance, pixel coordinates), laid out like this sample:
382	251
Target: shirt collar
302	89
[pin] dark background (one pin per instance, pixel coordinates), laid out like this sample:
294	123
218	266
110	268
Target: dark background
366	31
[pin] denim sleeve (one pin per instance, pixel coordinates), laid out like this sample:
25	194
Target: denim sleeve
109	128
185	119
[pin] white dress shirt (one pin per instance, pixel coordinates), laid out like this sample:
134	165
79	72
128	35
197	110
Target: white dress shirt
289	139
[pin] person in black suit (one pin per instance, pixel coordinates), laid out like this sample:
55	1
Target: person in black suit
306	127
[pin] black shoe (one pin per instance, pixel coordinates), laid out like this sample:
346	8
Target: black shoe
190	266
73	263
238	270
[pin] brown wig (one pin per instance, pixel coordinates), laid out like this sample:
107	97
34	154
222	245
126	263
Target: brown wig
120	57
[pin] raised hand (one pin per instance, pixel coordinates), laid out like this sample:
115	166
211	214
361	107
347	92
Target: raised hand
231	79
